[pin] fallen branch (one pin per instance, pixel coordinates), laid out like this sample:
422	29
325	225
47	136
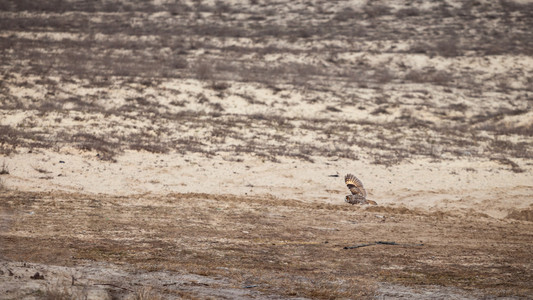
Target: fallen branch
359	246
382	243
386	243
172	283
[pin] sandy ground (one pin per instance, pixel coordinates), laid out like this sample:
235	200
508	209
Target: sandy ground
222	246
98	281
138	227
461	186
197	149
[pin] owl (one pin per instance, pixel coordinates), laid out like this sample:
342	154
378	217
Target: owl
358	195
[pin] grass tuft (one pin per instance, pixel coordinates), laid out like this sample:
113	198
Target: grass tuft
4	169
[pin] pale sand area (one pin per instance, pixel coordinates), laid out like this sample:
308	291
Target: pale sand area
110	116
458	186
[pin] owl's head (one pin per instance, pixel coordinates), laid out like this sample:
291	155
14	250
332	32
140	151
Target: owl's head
348	199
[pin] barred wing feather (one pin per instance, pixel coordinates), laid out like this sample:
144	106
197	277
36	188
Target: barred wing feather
355	185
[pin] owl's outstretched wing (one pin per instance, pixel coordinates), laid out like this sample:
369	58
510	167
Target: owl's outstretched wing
355	185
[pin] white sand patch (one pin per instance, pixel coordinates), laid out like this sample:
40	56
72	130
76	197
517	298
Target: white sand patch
525	120
13	118
460	185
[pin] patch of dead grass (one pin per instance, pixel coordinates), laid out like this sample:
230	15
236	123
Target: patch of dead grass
275	244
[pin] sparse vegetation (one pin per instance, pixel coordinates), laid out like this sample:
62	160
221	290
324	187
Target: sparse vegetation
408	12
4	169
204	70
306	82
376	10
105	149
514	166
273	251
41	170
448	47
56	293
147	293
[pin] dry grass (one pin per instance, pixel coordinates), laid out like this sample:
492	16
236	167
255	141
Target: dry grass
204	70
56	293
284	247
525	215
41	170
4	169
146	293
320	81
514	166
105	149
112	55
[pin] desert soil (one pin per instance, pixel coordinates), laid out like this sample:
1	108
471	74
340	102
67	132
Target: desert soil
200	245
197	149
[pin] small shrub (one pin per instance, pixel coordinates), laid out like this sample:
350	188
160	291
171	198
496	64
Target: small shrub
146	293
444	10
48	6
220	86
202	98
514	166
408	12
88	142
332	108
49	106
221	7
41	170
374	11
216	107
441	78
420	47
461	107
56	293
345	14
180	63
178	103
383	75
524	215
436	77
509	5
415	76
448	47
382	99
503	85
380	110
4	170
204	70
177	8
152	147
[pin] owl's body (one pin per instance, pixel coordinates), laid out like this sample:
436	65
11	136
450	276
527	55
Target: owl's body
358	195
